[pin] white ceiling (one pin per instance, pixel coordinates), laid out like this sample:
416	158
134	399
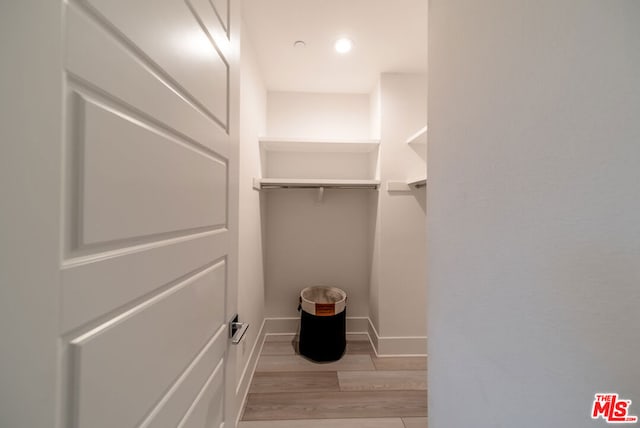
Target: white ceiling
389	36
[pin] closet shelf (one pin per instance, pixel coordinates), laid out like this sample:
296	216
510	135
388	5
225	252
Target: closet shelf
312	183
297	164
418	182
419	137
318	146
406	186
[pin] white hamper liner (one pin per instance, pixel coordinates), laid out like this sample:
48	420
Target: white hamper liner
323	301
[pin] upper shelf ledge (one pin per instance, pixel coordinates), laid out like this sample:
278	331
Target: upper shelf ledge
418	182
318	146
313	183
419	137
407	186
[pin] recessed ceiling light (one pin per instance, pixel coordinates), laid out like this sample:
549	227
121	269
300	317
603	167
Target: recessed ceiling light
343	45
299	44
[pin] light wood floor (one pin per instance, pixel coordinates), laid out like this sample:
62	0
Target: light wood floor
360	390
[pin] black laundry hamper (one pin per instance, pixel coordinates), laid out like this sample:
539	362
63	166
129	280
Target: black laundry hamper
323	323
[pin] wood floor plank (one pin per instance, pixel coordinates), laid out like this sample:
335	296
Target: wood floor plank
317	405
266	382
400	363
278	348
326	423
289	391
280	338
415	422
401	380
296	363
359	347
356	337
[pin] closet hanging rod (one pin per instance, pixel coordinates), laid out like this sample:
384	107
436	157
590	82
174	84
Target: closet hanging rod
312	183
318	186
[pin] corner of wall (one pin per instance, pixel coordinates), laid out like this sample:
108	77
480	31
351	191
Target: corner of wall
399	268
375	112
250	237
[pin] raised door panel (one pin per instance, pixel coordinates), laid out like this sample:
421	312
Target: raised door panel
97	59
208	408
190	389
139	181
125	366
214	19
222	10
170	36
94	286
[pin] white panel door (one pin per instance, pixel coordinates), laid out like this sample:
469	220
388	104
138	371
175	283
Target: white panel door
145	178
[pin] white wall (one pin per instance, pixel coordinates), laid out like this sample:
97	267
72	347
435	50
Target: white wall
310	242
398	290
318	115
253	104
533	201
374	112
317	243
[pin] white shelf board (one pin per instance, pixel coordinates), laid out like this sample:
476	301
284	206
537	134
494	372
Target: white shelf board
262	183
398	186
418	182
318	146
419	137
406	186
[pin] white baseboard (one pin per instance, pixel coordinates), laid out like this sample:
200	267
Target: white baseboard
400	346
383	346
291	325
